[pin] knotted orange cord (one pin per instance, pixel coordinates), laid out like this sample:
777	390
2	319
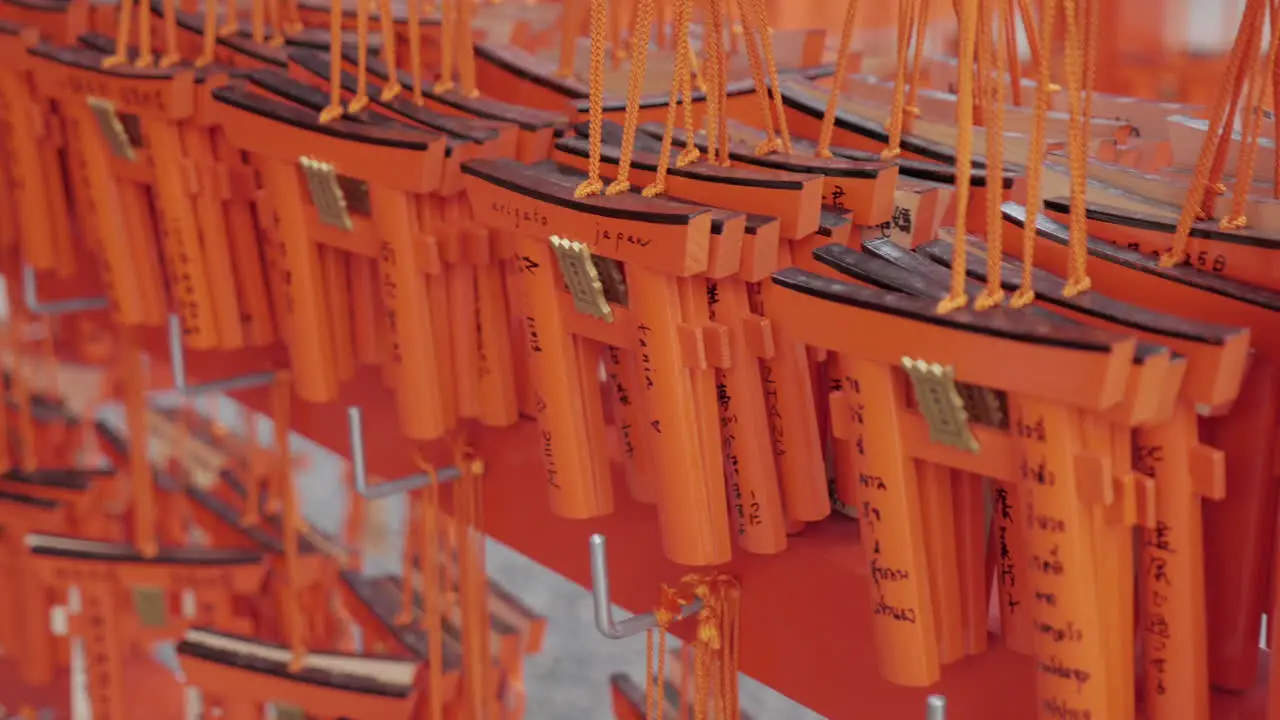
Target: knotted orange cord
414	13
392	88
716	646
671	601
274	19
715	69
1035	162
361	99
761	21
639	58
613	28
171	56
448	35
432	620
592	185
281	398
1077	148
771	143
993	110
737	25
1222	149
906	27
1034	44
124	26
465	47
957	298
1201	181
912	110
1236	219
146	57
209	35
680	87
333	110
257	20
1009	33
837	83
469	539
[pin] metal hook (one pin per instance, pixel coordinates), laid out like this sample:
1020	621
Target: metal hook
408	483
178	361
31	297
629	627
935	707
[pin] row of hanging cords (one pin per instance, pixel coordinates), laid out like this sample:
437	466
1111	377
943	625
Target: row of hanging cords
1079	46
1035	158
681	86
1236	219
912	110
1222	149
760	19
907	12
456	47
713	52
968	12
1244	50
334	109
469	535
990	45
431	621
413	14
716	646
670	604
1009	34
771	142
146	56
635	81
593	185
837	83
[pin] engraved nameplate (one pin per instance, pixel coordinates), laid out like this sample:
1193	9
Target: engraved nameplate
326	193
939	401
112	128
582	278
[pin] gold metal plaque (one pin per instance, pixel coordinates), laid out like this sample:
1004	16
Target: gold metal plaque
326	193
582	278
151	606
112	128
940	403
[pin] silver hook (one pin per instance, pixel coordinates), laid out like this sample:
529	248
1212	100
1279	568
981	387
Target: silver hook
178	361
629	627
935	707
408	483
31	297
